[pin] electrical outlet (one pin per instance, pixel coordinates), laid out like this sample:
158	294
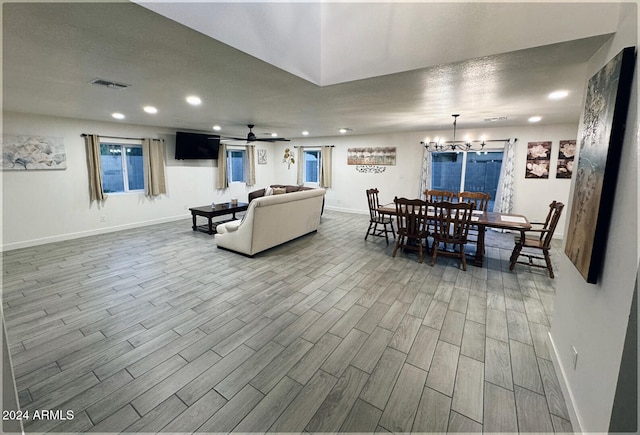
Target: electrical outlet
103	218
574	352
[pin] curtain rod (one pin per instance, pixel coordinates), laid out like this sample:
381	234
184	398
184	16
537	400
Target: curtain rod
117	137
313	146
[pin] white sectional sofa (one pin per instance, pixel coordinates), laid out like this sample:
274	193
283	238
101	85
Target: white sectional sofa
271	221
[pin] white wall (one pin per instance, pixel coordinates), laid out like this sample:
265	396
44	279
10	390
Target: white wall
532	196
45	206
594	318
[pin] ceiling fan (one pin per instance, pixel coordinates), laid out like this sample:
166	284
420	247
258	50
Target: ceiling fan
251	137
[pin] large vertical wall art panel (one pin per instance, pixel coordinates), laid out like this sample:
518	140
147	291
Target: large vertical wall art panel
601	134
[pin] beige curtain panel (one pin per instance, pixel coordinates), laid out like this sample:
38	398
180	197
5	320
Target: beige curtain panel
153	156
251	160
326	166
300	158
222	182
92	145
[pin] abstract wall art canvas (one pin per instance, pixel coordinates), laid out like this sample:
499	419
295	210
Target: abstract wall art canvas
371	156
30	152
600	135
538	159
566	154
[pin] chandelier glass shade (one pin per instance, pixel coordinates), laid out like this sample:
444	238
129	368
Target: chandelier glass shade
441	145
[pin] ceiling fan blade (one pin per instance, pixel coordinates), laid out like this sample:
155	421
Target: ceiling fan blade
232	138
273	139
251	137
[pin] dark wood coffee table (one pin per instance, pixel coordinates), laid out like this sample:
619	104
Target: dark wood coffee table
210	212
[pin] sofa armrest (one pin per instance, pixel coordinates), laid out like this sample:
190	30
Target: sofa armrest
256	194
228	227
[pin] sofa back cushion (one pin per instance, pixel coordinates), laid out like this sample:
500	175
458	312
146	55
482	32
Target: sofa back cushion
280	218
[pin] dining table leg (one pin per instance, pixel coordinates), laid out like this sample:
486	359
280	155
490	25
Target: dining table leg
479	258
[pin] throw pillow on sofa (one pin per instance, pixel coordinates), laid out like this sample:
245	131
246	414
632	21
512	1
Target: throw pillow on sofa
279	190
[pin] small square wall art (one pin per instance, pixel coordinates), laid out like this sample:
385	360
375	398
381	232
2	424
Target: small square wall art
538	159
566	153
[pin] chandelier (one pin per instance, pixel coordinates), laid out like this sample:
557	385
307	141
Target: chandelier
441	145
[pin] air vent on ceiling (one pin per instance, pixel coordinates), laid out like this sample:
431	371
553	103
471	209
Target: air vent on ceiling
109	84
496	119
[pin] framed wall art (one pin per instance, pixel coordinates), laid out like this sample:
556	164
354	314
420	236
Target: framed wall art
371	156
31	152
262	156
601	134
566	154
538	159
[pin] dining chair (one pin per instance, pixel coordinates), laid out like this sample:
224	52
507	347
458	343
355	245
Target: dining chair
375	218
480	202
451	227
440	195
412	226
537	239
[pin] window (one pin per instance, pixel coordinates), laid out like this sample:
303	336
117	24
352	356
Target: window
122	168
311	169
467	171
235	166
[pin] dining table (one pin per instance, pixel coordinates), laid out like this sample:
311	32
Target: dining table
483	220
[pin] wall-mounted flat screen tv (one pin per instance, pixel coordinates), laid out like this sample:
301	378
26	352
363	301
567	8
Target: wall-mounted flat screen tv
196	146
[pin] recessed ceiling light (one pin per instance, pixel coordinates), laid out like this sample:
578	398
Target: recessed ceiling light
305	133
558	95
344	130
217	128
150	109
274	134
193	100
535	119
117	115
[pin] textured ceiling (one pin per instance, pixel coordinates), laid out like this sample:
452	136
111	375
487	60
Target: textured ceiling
379	74
336	42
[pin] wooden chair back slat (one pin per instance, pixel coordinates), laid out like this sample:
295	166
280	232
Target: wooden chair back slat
440	195
480	200
551	222
412	216
451	221
413	229
372	199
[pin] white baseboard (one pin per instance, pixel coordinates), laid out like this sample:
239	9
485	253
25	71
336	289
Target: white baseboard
564	386
88	233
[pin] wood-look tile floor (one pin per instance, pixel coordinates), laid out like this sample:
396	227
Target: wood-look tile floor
157	330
